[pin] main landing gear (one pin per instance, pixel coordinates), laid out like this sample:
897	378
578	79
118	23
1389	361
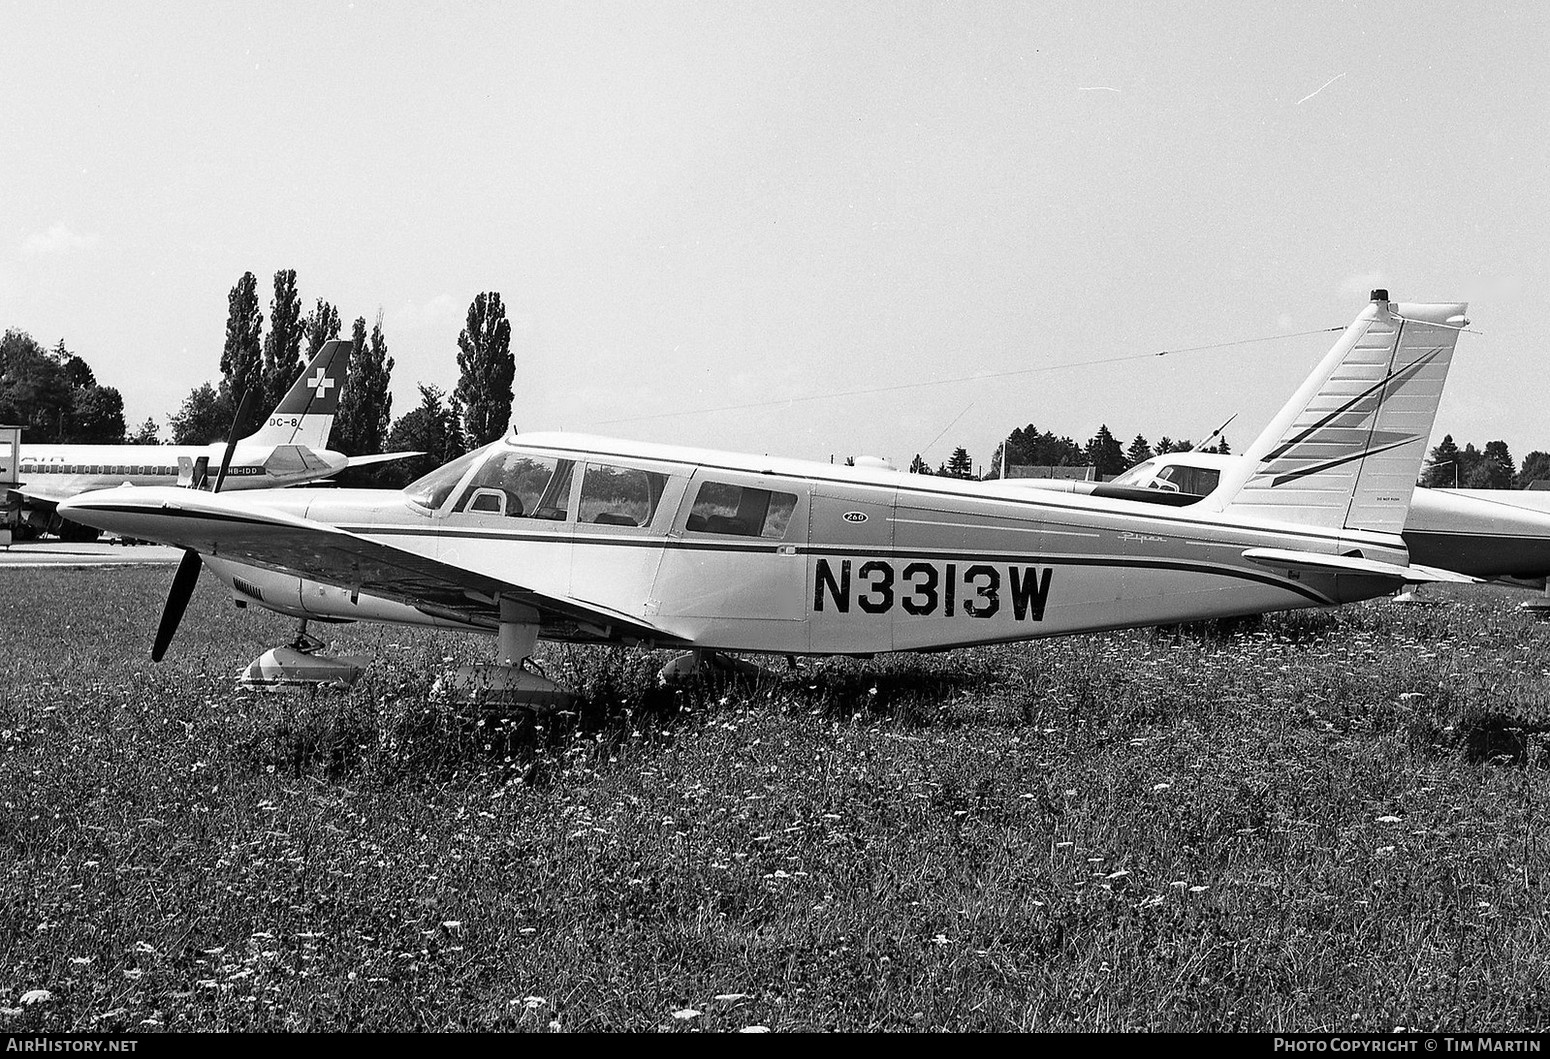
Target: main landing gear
700	664
1539	607
299	665
513	678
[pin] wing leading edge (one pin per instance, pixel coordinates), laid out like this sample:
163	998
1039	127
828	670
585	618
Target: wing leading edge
290	544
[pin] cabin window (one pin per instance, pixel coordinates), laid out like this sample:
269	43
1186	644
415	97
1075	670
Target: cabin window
1140	474
740	511
620	496
520	486
1196	481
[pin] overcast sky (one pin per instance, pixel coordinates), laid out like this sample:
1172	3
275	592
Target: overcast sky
692	206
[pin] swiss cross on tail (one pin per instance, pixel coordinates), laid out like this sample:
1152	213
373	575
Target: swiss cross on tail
316	392
322	384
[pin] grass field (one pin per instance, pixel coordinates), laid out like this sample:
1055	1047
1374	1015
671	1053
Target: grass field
1325	821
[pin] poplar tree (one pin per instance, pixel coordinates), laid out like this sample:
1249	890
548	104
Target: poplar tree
365	408
322	325
282	346
488	369
242	357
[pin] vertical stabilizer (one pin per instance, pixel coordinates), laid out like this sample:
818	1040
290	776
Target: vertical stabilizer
305	416
1345	452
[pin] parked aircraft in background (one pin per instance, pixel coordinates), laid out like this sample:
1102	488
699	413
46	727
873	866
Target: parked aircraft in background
587	539
1496	534
290	448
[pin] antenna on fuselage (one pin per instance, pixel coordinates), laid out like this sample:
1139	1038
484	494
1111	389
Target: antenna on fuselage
1215	433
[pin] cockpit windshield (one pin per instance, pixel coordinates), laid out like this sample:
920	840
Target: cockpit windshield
433	489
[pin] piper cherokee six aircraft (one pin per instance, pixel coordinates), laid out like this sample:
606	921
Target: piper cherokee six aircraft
580	538
288	449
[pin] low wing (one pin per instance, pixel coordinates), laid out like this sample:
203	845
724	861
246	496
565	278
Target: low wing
1286	559
379	457
290	544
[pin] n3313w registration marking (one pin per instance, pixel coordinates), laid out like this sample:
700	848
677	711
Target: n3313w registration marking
920	589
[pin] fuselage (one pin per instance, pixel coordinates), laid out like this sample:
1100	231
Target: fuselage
751	553
1480	532
58	471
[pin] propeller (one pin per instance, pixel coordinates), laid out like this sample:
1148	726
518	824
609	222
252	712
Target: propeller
183	583
187	577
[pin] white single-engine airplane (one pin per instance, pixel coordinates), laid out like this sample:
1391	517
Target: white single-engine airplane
290	448
579	538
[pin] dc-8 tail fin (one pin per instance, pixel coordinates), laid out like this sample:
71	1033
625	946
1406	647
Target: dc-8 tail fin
1345	452
305	415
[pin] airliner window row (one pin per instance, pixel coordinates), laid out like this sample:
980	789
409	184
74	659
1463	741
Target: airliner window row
96	468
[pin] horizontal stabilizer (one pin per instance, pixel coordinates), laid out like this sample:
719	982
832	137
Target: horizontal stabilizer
36	494
380	457
1286	559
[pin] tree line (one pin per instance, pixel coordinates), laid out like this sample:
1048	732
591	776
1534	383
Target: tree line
1028	446
55	397
1449	466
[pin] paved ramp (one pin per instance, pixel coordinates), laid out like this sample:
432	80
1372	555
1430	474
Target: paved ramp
45	554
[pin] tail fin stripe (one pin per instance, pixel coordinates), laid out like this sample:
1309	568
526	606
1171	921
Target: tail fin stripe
1315	468
1375	390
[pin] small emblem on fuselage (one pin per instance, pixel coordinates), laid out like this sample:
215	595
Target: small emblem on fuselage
854	516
